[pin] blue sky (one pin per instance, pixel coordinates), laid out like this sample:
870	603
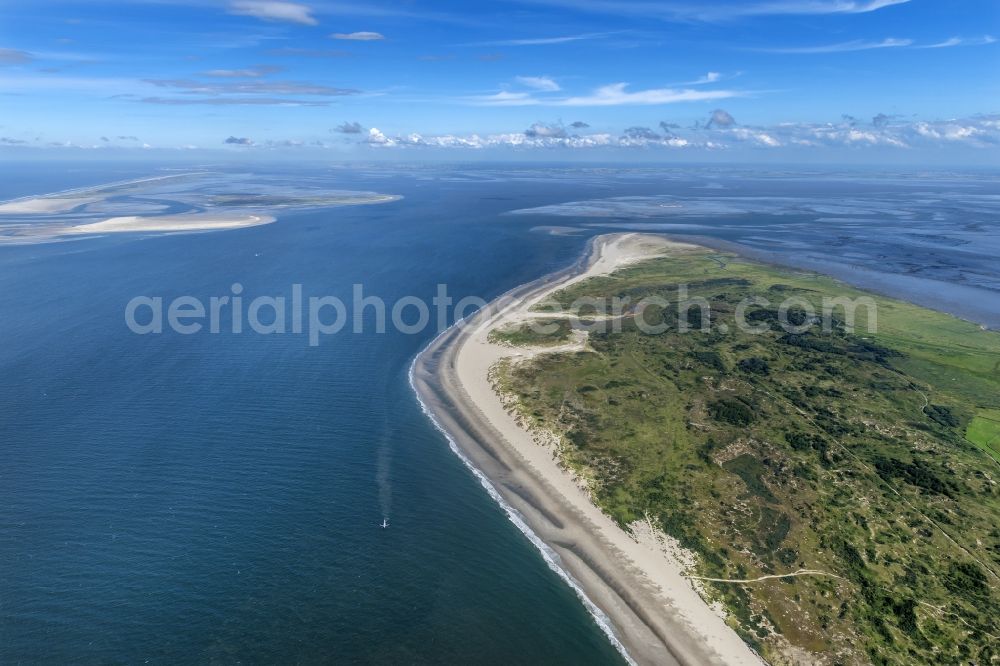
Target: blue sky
786	77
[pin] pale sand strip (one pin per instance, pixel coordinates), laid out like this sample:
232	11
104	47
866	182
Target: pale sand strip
165	223
67	200
45	205
656	613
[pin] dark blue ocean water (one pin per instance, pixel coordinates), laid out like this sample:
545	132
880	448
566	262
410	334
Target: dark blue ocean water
216	498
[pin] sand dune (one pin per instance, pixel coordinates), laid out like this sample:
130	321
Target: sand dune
634	579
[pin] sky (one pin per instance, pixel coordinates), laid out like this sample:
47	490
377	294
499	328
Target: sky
872	80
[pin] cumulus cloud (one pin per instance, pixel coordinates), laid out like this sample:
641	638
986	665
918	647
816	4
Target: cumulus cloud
359	36
273	10
14	57
720	119
10	141
541	130
719	134
977	132
539	136
377	138
982	131
349	128
542	83
757	136
477	142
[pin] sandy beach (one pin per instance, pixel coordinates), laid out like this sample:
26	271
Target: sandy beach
636	581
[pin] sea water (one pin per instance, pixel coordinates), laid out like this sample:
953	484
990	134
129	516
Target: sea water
217	497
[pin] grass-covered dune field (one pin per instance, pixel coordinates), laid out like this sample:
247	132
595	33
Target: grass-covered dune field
866	462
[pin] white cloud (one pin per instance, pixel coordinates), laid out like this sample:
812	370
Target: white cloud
543	83
616	94
273	10
359	36
961	131
504	98
542	41
377	138
977	132
843	47
888	43
806	7
753	135
541	130
703	11
249	73
960	41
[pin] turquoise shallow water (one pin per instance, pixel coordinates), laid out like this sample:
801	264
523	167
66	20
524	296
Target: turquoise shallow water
216	498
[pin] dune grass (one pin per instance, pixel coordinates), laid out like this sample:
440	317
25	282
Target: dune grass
864	454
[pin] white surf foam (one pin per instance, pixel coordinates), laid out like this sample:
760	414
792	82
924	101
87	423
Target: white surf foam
551	557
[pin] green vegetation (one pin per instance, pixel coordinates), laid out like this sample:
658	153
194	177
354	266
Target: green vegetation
984	431
537	333
863	455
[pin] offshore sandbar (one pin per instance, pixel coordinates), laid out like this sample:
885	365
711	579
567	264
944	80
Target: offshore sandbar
172	223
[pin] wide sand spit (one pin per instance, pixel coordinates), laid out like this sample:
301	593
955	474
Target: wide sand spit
636	580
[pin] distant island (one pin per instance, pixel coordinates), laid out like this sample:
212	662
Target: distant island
807	496
175	203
